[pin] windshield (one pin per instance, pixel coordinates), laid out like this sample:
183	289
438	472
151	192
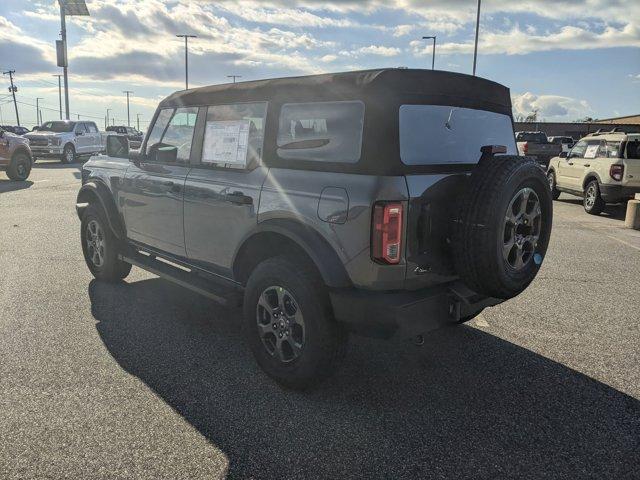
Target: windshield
57	127
435	134
536	137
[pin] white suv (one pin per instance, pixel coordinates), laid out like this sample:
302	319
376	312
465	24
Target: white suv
602	167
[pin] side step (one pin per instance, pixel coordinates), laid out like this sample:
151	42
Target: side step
221	291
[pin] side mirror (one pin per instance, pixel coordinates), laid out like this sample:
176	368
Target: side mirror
168	154
117	147
564	154
136	156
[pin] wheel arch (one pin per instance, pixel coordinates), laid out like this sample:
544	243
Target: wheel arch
283	236
22	149
590	177
97	192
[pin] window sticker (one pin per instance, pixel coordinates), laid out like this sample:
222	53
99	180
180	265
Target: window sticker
592	151
226	142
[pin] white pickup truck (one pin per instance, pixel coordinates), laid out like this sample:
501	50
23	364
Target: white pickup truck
66	140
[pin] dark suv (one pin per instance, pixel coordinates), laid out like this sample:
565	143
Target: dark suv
383	202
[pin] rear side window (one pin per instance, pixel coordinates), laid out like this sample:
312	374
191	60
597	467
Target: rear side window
321	131
633	149
91	127
535	137
437	134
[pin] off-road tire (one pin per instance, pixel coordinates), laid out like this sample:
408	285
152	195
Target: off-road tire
20	167
66	158
598	204
479	230
112	269
325	340
551	179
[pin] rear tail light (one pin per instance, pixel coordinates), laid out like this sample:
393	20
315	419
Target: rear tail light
616	172
525	147
386	238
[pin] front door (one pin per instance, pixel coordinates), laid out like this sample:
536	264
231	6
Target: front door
154	186
82	137
222	192
570	169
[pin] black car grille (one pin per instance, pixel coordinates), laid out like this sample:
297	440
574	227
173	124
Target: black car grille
38	142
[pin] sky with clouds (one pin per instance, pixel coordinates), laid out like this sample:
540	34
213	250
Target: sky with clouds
565	58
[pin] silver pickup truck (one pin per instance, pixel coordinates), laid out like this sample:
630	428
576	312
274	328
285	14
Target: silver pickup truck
66	140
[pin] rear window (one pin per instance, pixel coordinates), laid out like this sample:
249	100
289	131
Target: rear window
321	131
436	134
535	137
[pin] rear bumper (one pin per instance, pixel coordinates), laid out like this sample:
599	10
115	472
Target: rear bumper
406	313
617	193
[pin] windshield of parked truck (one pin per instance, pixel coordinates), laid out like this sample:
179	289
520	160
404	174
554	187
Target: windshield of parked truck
57	127
436	134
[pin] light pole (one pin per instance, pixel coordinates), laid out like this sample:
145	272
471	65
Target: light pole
475	49
128	119
38	109
186	57
433	56
59	93
68	8
106	123
138	121
234	77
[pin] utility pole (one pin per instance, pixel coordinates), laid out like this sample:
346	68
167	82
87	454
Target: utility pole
13	89
433	56
186	58
475	50
106	123
138	121
128	119
234	77
59	93
38	110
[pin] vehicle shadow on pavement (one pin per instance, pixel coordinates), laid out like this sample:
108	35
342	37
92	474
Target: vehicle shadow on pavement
615	211
12	186
466	404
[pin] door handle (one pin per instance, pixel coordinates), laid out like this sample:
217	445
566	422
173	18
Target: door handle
239	198
587	164
570	163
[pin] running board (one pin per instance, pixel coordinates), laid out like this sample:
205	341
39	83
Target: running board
223	294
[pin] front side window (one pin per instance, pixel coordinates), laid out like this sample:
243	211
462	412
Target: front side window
578	149
436	134
80	128
234	135
321	131
158	128
593	147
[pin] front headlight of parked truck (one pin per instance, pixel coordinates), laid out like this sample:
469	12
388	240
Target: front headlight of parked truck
54	141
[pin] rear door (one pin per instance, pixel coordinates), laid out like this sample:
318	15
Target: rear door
222	191
631	159
82	138
94	135
154	186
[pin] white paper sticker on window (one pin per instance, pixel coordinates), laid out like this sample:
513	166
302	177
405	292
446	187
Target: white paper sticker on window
592	151
226	142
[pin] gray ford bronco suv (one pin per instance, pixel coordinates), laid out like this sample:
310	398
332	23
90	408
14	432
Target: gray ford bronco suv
382	202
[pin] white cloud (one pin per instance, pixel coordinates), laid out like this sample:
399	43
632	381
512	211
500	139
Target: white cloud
329	58
549	107
380	50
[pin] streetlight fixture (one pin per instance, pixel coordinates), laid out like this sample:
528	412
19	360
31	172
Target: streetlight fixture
67	8
234	77
433	56
186	57
475	49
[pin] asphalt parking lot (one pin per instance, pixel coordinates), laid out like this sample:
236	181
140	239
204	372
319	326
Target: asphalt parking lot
146	380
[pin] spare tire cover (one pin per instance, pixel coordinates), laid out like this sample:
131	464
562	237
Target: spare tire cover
503	225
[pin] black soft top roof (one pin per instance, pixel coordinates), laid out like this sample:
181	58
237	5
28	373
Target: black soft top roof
365	84
382	91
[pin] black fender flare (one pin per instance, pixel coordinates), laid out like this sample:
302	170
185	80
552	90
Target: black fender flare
97	192
589	175
318	249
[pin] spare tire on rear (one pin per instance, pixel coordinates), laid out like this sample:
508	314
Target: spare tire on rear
503	226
